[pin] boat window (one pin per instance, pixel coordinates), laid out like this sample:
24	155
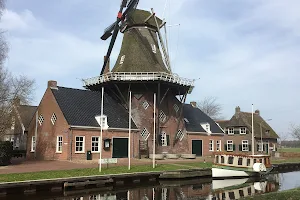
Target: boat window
249	191
223	195
260	160
222	159
241	193
230	160
248	162
240	161
231	195
254	161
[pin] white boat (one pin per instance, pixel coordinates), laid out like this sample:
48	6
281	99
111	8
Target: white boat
240	165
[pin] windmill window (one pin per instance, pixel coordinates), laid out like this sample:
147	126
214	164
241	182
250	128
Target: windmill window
122	59
41	119
180	135
145	104
176	108
162	116
53	118
145	134
153	48
186	120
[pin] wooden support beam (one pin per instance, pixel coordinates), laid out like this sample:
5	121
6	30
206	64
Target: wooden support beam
164	96
121	95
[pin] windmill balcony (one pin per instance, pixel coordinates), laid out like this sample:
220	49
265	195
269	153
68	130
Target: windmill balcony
138	76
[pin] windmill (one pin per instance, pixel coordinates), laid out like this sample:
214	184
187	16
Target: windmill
143	68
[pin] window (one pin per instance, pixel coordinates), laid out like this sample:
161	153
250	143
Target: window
59	142
186	120
274	147
163	139
240	161
33	144
145	105
41	119
218	146
122	59
102	121
145	134
229	145
243	130
162	116
248	162
245	146
53	118
176	108
230	131
217	159
260	146
153	47
211	145
222	159
95	144
241	192
230	160
206	127
79	144
180	135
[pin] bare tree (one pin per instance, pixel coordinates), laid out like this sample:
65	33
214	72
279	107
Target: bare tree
295	131
11	87
211	107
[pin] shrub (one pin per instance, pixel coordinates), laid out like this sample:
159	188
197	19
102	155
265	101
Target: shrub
6	151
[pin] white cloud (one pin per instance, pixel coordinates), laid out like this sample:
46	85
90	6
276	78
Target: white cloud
12	21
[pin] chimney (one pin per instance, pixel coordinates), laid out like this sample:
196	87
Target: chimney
106	69
257	112
237	109
194	104
52	84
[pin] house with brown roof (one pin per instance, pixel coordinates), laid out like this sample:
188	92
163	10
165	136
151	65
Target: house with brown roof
21	117
238	133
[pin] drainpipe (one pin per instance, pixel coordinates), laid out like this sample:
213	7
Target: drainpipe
71	143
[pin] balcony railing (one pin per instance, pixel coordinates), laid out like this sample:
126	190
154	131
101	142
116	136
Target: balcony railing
138	76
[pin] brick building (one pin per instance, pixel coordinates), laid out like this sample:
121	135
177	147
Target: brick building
238	133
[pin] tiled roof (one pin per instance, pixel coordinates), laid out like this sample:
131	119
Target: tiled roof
81	106
195	117
27	113
240	119
222	123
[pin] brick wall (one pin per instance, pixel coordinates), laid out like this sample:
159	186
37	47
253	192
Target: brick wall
205	142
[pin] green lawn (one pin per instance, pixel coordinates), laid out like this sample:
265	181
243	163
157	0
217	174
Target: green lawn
95	171
285	160
289	150
293	194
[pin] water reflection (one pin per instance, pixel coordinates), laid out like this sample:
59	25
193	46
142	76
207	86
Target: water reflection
194	189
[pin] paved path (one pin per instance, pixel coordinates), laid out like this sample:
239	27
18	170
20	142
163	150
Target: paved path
22	166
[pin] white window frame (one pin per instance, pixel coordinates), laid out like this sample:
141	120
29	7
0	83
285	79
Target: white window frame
33	144
229	131
274	147
95	142
260	146
122	59
145	104
246	143
163	138
218	145
145	134
180	135
229	142
162	116
176	108
211	145
83	144
102	121
59	144
53	118
41	119
243	132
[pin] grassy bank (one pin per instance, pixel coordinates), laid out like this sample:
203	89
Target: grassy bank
293	194
285	160
95	171
296	150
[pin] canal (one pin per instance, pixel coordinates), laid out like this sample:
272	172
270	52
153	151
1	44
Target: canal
200	189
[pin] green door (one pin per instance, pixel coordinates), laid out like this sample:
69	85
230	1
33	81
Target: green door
197	147
120	148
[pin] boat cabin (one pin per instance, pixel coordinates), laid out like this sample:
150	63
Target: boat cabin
241	160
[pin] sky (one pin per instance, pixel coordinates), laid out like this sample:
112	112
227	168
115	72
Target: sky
242	52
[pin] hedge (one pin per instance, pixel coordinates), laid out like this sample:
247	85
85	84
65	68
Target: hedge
6	151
